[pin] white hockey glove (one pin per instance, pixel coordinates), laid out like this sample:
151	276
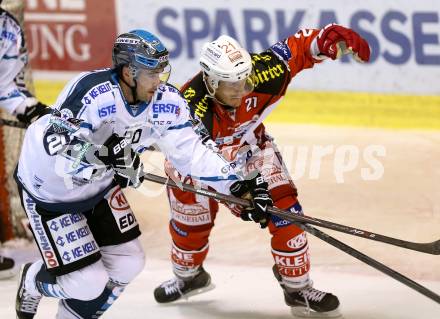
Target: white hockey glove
117	153
254	189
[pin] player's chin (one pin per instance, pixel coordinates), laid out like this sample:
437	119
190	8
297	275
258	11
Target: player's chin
234	101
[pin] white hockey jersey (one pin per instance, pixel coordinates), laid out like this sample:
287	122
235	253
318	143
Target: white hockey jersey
14	97
57	166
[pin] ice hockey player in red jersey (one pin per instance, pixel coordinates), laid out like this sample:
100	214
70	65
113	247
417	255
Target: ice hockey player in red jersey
232	95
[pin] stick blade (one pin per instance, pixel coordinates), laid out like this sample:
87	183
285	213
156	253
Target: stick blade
436	247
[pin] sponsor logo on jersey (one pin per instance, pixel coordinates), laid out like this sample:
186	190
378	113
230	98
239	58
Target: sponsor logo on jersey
195	214
201	106
181	258
7	35
159	122
65	221
282	49
86	100
269	165
178	230
41	237
73	237
61	125
166	108
127	222
94	92
107	110
122	213
239	132
297	209
297	242
291	261
238	163
118	201
79	252
292	264
265	75
279	222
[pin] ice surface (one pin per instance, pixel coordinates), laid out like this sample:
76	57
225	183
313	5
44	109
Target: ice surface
404	203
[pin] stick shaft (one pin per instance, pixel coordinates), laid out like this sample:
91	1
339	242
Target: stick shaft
429	248
372	262
310	229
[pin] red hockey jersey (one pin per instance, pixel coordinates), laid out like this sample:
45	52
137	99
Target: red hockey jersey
274	68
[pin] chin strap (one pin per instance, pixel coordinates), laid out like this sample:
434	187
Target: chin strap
209	88
132	88
133	91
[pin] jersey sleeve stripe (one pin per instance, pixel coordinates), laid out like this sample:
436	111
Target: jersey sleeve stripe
180	126
10	57
87	126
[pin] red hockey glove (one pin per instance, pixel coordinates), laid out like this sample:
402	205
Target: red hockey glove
334	40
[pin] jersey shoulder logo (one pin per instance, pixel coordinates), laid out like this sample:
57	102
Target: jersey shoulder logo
282	49
95	91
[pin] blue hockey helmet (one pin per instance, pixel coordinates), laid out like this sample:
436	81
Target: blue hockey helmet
140	49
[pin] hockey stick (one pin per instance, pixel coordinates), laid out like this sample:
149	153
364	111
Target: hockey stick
310	229
429	248
12	123
371	262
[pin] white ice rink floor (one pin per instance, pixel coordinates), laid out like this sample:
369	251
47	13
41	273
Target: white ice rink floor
404	203
252	293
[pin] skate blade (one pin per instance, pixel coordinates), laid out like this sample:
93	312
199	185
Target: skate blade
198	291
304	312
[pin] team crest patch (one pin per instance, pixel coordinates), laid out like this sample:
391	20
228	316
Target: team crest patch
66	114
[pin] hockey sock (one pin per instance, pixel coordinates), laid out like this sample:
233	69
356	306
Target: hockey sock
96	307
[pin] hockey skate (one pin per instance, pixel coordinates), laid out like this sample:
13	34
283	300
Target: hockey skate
25	304
8	268
177	288
309	302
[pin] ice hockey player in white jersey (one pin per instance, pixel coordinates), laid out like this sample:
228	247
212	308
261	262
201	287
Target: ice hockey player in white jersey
14	97
75	162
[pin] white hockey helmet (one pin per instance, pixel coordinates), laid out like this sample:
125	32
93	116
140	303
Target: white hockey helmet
224	59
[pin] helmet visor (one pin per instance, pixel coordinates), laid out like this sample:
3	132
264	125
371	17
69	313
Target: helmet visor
162	73
242	87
